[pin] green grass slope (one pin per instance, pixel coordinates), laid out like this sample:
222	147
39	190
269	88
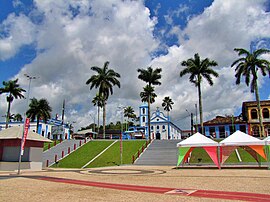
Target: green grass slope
112	156
46	144
83	155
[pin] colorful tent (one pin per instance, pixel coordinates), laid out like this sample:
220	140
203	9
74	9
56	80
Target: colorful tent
197	140
249	143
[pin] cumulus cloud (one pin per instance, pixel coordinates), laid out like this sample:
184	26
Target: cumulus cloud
70	37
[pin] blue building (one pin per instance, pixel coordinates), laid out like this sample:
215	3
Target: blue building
53	129
223	126
162	127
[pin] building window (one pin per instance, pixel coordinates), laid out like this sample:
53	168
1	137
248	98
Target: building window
265	113
157	119
157	127
143	119
243	128
254	114
42	133
163	127
143	110
221	131
212	131
255	131
267	130
232	129
152	127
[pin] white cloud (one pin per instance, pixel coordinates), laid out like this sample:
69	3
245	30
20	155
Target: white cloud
17	31
122	33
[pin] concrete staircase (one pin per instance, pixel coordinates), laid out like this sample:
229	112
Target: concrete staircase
49	155
160	152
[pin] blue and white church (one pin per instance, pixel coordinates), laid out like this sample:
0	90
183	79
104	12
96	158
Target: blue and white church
162	128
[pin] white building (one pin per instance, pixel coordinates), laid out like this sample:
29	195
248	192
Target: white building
53	129
161	126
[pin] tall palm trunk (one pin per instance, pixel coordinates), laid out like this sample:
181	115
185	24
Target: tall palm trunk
37	124
259	109
8	114
104	120
98	120
200	105
148	120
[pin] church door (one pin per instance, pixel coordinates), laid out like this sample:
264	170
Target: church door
158	136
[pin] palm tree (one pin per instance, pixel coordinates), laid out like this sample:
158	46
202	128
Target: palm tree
129	113
98	101
151	77
167	104
18	117
248	66
39	109
14	91
104	80
199	69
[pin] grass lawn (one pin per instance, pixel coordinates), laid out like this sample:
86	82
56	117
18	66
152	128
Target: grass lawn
83	155
112	156
46	144
200	153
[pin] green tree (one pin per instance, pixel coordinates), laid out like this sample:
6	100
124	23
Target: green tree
12	88
248	66
167	104
199	69
98	101
104	80
39	109
18	117
151	77
129	113
148	95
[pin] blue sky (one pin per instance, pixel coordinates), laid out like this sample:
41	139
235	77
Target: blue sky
46	39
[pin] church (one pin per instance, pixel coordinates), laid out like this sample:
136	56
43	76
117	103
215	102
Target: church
162	128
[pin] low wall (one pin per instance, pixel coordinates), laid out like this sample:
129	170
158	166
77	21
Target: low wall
13	166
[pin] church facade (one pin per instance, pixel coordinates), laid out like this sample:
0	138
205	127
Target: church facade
162	128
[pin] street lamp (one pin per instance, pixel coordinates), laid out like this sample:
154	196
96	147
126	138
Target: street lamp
94	119
191	121
27	100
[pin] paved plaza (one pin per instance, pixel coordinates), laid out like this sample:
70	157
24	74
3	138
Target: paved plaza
106	184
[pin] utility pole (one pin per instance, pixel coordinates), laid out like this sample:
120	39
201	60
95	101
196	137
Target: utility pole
191	123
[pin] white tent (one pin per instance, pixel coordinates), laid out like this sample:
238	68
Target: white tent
267	140
197	140
239	138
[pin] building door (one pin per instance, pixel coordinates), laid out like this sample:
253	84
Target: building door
158	136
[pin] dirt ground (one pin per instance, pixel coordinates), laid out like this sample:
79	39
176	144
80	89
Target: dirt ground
27	188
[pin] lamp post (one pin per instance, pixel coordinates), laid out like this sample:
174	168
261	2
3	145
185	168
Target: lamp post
27	100
121	108
94	119
191	121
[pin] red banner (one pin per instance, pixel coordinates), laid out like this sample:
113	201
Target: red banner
25	132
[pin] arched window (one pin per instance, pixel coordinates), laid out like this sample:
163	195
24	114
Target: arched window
152	127
254	114
265	113
157	127
143	119
143	110
163	127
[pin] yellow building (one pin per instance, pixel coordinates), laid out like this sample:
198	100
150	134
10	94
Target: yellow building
251	115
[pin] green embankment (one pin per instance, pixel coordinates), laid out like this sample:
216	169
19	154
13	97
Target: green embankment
84	154
200	153
46	144
111	157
